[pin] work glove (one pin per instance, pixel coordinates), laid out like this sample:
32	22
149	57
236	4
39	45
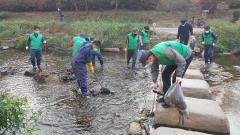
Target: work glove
214	44
203	43
26	47
178	80
155	85
44	41
90	67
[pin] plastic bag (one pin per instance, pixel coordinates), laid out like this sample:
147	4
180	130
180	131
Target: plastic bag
174	97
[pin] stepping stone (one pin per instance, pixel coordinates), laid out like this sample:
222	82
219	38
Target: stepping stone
204	116
175	131
196	88
193	74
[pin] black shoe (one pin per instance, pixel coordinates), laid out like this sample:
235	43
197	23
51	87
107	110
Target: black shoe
158	92
160	100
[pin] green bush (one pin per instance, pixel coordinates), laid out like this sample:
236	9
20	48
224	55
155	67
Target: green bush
228	35
15	116
236	16
21	43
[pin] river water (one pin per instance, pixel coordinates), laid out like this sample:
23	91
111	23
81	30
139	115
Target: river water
65	112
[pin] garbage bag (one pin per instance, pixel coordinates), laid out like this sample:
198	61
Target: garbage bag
174	97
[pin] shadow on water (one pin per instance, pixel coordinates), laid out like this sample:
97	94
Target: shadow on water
66	112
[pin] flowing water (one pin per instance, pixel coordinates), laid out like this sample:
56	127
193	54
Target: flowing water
65	112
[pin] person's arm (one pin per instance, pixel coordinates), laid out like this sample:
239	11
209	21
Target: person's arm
88	55
28	42
140	38
190	29
155	71
179	31
178	58
215	38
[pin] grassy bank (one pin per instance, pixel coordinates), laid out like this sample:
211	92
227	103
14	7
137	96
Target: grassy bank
110	32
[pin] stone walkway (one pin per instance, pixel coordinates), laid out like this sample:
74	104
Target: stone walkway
205	114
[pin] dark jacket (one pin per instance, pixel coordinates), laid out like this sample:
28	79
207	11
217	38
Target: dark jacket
84	54
184	31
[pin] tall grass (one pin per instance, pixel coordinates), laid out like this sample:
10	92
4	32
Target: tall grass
110	32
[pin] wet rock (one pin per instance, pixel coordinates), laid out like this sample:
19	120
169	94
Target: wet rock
175	131
196	88
135	128
117	114
193	74
105	91
40	77
4	72
204	116
29	73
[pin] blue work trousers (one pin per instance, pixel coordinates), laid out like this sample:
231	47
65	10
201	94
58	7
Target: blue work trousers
35	56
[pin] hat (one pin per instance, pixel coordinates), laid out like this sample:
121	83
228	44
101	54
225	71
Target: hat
144	57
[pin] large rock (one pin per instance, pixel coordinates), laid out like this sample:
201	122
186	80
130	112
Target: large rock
196	88
204	116
175	131
135	128
193	74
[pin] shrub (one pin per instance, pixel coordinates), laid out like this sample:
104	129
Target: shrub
228	35
15	116
21	43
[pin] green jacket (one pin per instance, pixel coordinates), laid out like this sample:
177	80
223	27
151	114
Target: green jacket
145	37
132	42
209	38
159	51
35	42
77	41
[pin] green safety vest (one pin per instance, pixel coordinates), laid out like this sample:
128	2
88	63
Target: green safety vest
77	41
36	42
208	38
159	51
145	37
132	42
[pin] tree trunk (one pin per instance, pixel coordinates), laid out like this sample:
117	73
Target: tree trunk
86	5
116	4
75	5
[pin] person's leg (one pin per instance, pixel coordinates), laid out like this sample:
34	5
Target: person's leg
39	59
93	59
32	59
166	77
188	62
81	74
134	57
206	54
100	58
129	56
211	54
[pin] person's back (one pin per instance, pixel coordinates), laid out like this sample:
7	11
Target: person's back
77	41
83	54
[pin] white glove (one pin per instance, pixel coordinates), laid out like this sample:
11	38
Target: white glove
26	47
155	85
213	44
178	80
44	41
203	43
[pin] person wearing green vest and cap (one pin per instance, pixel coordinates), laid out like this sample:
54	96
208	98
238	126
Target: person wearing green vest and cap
176	56
35	43
144	38
209	40
75	42
132	47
